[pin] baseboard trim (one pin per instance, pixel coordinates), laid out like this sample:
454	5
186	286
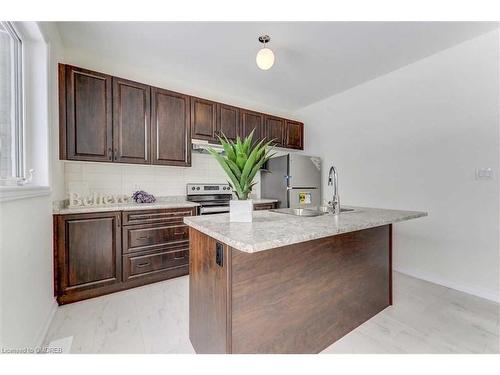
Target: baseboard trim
461	288
40	338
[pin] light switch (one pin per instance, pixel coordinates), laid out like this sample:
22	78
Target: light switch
484	174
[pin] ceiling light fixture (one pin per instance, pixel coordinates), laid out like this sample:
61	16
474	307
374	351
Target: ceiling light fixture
265	57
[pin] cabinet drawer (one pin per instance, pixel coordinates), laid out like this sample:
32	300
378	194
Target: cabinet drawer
167	215
145	264
147	237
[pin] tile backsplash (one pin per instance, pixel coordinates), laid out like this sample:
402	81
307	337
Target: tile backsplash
114	178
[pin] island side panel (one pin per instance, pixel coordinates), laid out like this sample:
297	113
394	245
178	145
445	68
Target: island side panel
303	297
208	295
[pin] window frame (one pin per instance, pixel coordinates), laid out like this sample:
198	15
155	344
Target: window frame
18	99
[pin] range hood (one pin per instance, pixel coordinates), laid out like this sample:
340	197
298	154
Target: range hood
202	146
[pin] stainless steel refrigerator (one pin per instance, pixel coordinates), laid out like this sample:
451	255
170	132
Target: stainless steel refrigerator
294	180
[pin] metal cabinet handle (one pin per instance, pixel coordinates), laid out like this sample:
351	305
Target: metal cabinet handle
182	256
143	264
143	238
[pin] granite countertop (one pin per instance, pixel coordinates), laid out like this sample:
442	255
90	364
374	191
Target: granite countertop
59	208
163	202
271	229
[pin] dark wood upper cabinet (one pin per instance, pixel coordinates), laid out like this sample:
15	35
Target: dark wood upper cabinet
170	128
203	119
275	130
131	121
110	119
249	121
294	135
228	119
88	251
87	118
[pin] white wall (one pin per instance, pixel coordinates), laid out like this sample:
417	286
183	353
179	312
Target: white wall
26	269
56	55
27	298
412	139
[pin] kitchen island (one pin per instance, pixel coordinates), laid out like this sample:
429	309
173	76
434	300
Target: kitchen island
287	284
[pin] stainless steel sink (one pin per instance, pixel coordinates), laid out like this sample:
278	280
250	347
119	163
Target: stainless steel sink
309	212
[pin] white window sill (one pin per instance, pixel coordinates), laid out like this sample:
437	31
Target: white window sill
10	193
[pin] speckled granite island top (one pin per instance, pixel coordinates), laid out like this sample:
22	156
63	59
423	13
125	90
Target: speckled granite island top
271	229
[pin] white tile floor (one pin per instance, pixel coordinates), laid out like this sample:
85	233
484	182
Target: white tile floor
425	318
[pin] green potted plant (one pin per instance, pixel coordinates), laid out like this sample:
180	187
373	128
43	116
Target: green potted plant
241	161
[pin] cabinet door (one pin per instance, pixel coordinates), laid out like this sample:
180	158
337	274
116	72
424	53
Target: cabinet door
88	117
131	121
294	135
203	119
171	136
249	121
88	252
228	119
275	130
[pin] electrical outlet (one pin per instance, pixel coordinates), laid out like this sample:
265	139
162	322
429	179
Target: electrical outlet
484	174
219	254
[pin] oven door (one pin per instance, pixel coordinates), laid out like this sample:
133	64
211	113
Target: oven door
210	210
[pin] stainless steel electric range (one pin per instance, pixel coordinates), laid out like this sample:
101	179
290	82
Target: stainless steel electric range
213	198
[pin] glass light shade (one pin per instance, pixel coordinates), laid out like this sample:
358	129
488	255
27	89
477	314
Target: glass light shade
265	59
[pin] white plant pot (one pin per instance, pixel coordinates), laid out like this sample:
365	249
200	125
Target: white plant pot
240	211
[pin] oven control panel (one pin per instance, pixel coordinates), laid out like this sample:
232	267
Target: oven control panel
205	189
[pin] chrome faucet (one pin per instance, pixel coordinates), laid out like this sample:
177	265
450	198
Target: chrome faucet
333	179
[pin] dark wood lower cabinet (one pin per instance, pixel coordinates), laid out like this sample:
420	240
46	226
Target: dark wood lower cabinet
154	262
88	253
94	254
265	206
298	298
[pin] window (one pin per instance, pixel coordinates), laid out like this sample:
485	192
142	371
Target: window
11	105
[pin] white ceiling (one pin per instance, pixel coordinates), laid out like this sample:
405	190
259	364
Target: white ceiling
314	60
